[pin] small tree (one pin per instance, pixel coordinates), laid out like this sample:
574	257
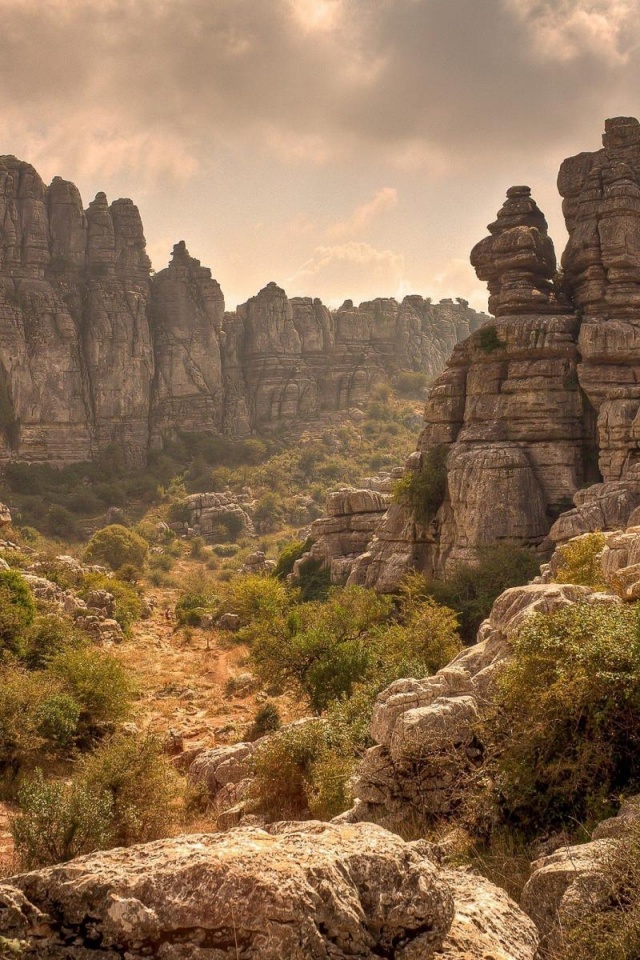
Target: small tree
116	546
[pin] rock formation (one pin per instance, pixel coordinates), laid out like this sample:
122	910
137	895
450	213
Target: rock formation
543	404
96	353
302	891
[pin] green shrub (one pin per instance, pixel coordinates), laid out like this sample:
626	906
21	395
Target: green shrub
48	635
411	383
58	821
142	787
257	599
313	580
424	490
198	600
116	546
17	611
289	555
489	340
471	588
266	720
57	718
21	740
123	793
580	561
569	715
98	682
283	771
321	650
127	598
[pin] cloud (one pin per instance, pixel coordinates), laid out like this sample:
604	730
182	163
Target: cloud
358	268
364	215
316	80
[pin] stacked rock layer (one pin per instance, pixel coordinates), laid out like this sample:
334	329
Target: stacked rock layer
95	352
543	404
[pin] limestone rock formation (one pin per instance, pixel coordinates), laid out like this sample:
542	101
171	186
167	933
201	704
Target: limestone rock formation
424	729
95	353
187	311
518	259
540	409
576	882
299	891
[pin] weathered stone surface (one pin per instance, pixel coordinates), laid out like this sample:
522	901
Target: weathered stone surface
487	924
299	891
187	310
95	353
542	406
353	517
425	728
518	259
220	766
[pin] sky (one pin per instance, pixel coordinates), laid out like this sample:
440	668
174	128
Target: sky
343	148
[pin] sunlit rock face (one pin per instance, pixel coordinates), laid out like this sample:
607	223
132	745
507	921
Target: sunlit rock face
304	891
98	354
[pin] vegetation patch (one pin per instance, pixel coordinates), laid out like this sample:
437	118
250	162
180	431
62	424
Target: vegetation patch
424	490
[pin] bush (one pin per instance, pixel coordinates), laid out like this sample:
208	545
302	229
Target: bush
411	384
266	720
124	793
289	555
283	771
48	635
21	705
581	563
57	718
313	580
116	546
98	682
471	588
489	340
321	650
424	490
126	596
570	716
198	600
17	611
257	599
140	783
58	821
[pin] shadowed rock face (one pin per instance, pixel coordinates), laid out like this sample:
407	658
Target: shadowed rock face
95	352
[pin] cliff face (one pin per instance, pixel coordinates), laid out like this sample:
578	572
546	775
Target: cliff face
95	352
543	404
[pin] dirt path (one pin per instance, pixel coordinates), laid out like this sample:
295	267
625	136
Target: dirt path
188	679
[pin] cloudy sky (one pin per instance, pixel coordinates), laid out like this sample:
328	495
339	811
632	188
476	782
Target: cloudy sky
344	148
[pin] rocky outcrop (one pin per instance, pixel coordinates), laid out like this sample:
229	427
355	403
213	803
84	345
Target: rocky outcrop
425	731
299	891
96	353
540	409
353	516
576	883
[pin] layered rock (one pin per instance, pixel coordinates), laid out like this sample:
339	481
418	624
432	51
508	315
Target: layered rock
187	309
299	891
543	404
576	883
95	353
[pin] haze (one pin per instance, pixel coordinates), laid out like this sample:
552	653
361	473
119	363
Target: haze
344	148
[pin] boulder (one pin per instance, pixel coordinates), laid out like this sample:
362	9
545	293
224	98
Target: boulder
294	890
